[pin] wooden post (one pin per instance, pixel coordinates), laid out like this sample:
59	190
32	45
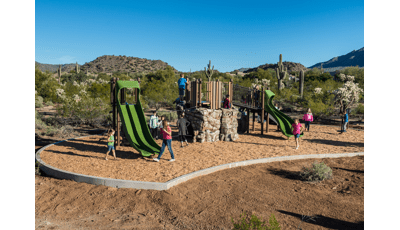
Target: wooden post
118	122
217	96
199	92
113	103
254	121
248	121
267	128
230	90
262	110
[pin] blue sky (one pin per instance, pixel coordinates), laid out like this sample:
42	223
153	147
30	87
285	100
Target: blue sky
187	34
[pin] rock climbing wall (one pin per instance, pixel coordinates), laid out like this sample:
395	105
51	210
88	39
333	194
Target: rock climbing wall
229	125
213	125
206	124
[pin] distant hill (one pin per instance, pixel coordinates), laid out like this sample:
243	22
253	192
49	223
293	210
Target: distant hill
111	63
53	68
291	67
354	58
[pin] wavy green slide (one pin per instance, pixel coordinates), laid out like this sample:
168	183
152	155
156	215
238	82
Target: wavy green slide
285	122
134	123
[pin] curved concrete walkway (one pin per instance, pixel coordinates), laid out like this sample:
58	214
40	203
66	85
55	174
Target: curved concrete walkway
118	183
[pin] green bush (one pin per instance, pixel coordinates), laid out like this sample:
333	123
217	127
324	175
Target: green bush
358	110
169	116
247	222
38	102
39	124
49	103
51	131
85	110
318	172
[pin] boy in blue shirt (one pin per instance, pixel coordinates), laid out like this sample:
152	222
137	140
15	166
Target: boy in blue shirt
181	84
346	120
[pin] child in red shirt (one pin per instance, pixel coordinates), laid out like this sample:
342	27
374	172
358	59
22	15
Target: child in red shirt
227	103
167	139
297	128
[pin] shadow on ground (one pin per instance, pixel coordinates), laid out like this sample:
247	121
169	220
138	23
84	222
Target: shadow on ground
327	222
335	143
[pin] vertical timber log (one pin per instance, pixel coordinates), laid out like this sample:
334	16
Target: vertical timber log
113	102
267	128
199	92
262	110
248	120
254	120
118	122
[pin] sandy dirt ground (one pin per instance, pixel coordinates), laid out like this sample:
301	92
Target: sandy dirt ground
86	156
209	202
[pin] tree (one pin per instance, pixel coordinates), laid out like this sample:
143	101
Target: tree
347	95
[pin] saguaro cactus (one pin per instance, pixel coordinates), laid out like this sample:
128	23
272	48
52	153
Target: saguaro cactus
209	71
59	74
281	72
77	67
301	83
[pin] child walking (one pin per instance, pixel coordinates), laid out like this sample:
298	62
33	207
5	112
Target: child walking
167	139
308	118
297	128
154	125
110	144
182	126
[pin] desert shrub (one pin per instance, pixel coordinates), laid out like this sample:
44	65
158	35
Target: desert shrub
38	102
247	222
317	172
66	131
49	103
45	85
169	116
51	131
358	110
37	168
39	124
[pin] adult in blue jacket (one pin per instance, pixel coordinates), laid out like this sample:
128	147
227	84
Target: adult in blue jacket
181	84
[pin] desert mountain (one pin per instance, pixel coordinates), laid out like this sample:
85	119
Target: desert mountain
354	58
111	63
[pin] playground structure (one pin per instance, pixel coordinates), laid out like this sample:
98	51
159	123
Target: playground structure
130	117
251	99
239	96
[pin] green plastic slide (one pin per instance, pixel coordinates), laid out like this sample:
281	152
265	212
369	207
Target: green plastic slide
285	122
134	124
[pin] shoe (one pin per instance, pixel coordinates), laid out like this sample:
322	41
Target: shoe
171	160
297	147
182	146
156	159
187	144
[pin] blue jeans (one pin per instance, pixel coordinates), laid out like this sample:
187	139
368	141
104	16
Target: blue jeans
168	143
307	124
110	147
344	126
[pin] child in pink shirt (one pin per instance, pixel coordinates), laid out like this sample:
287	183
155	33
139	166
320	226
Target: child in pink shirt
297	128
308	118
167	139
